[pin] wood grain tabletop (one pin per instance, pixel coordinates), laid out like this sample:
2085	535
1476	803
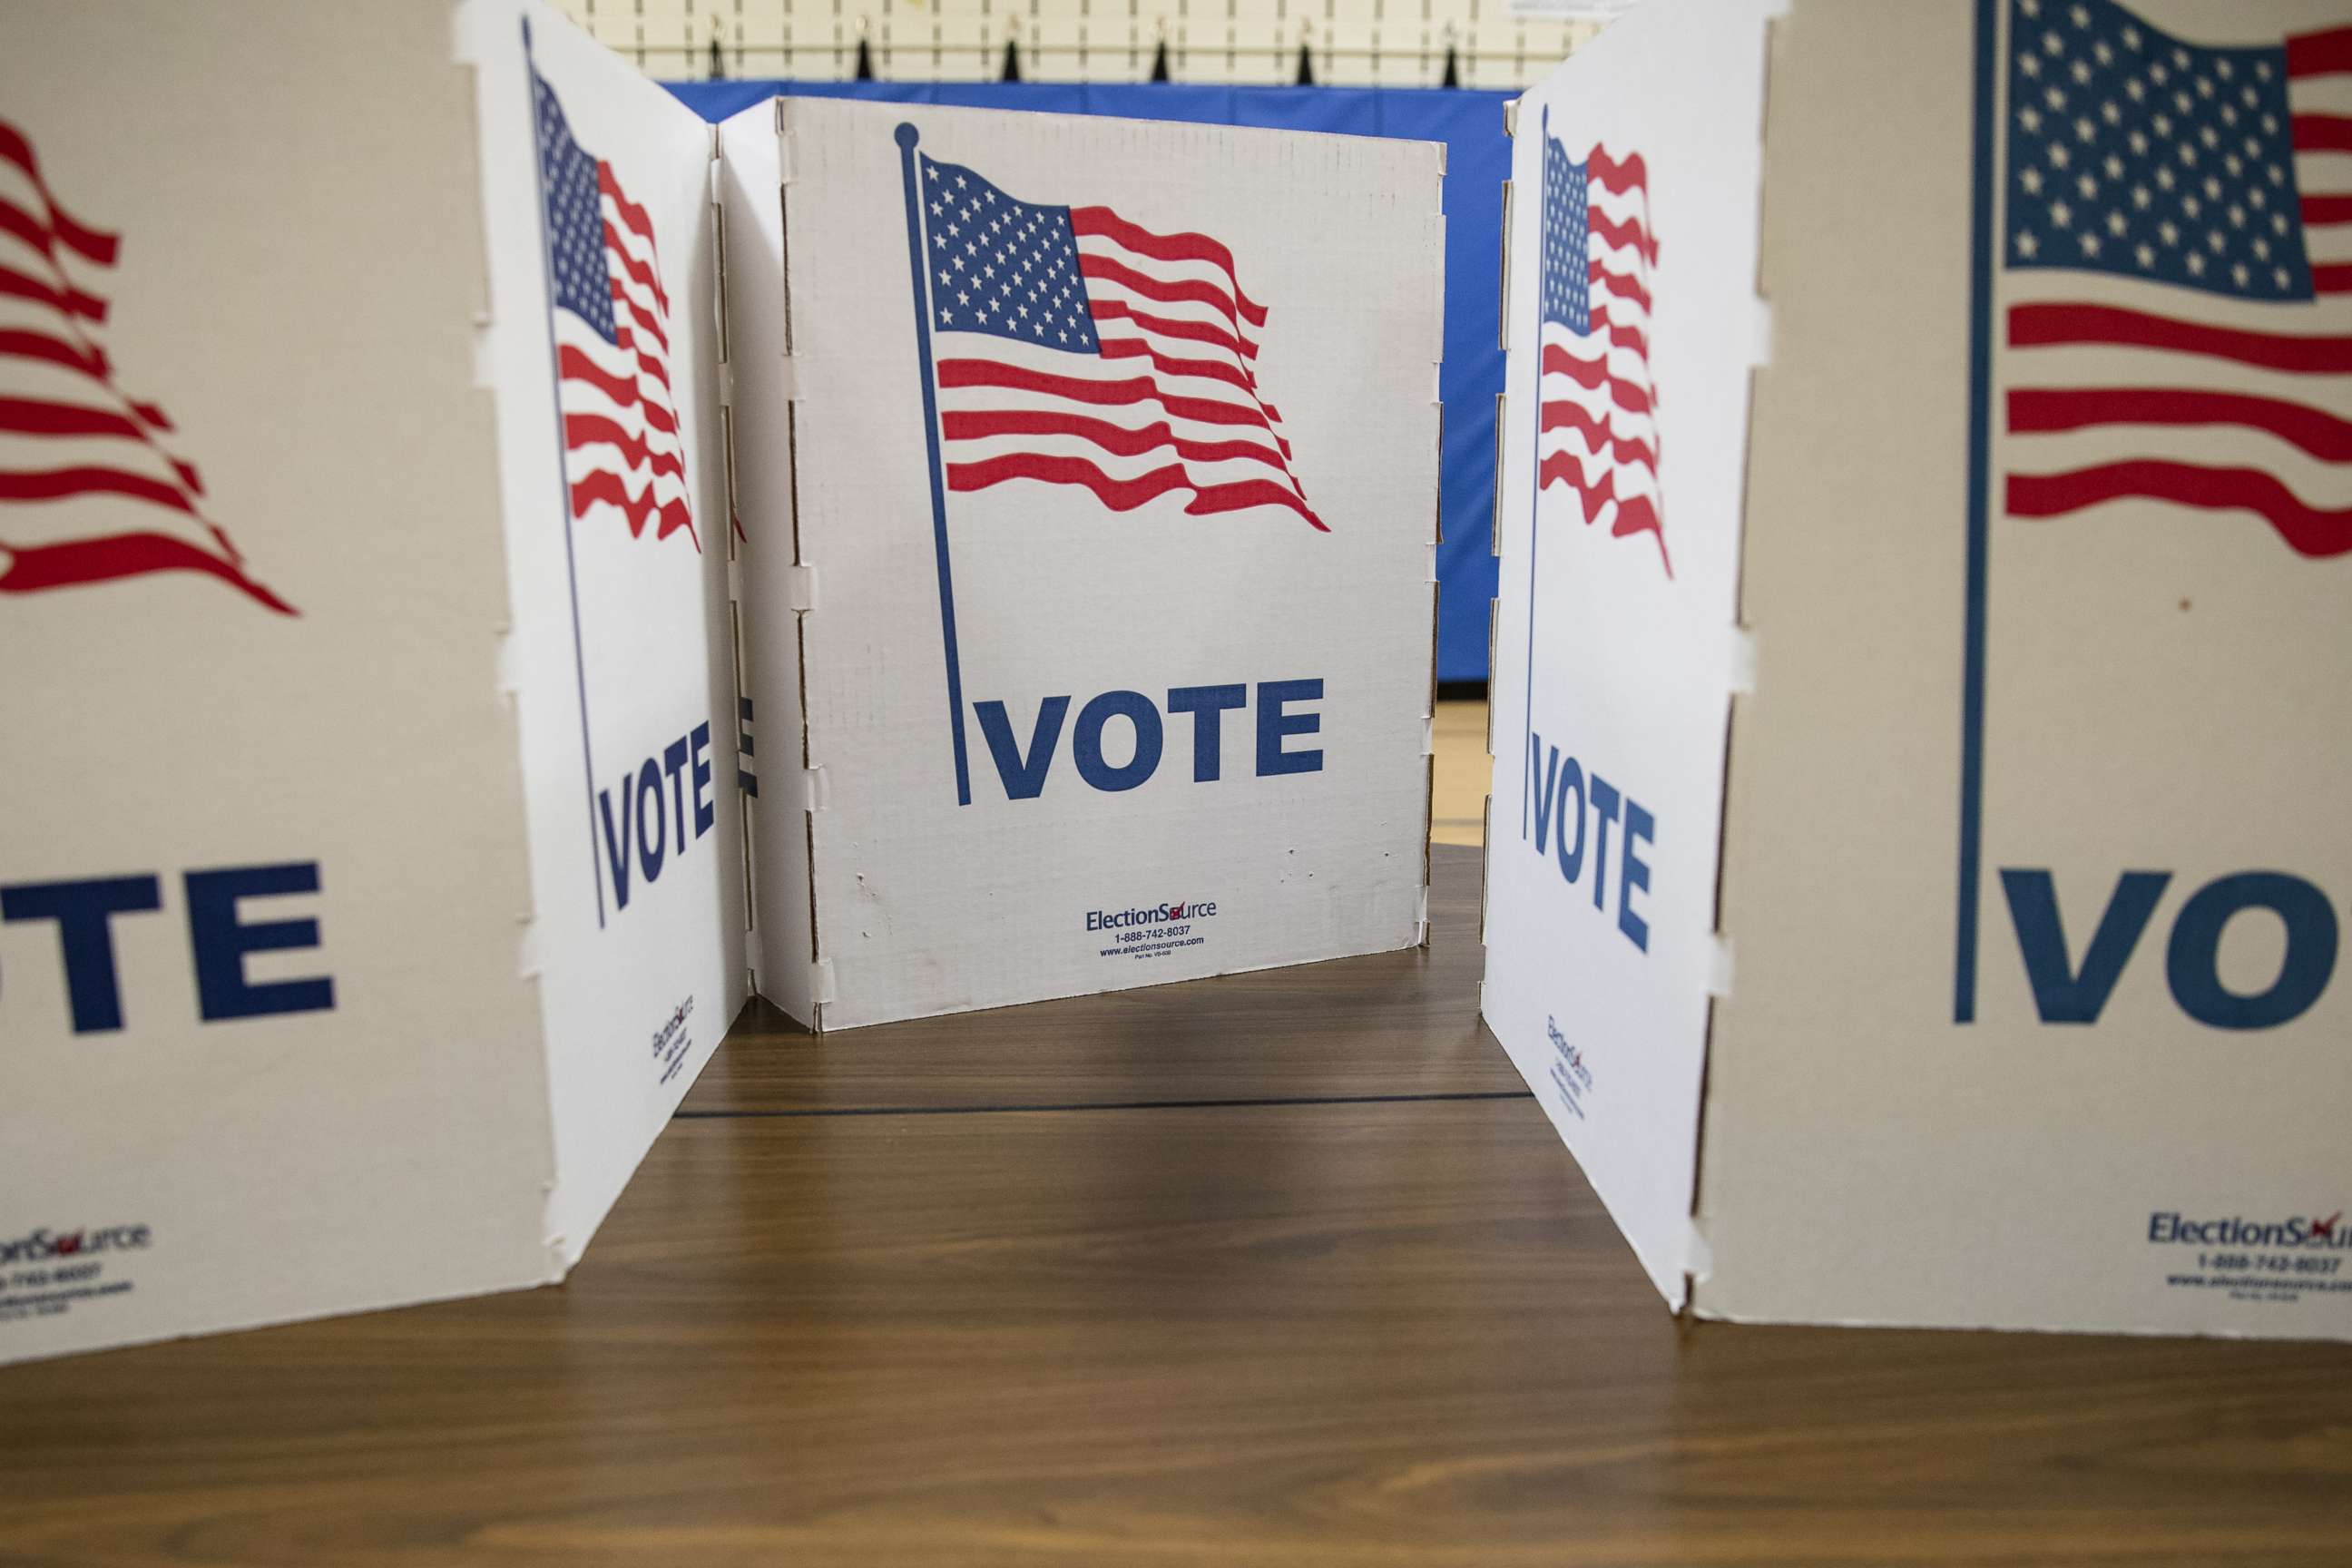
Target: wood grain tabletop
1277	1270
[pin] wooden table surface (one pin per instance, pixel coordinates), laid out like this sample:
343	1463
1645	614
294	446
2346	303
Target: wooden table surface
1280	1268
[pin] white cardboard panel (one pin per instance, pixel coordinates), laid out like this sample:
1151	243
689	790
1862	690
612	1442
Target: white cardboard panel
306	1002
638	896
2163	691
752	180
1615	641
298	275
924	904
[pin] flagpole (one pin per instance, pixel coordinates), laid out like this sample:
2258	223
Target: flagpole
906	137
1535	504
562	475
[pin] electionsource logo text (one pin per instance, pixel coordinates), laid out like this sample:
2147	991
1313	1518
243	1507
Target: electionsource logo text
1158	914
2238	1231
43	1245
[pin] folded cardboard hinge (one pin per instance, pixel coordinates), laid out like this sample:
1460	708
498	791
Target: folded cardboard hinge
1719	965
725	384
1420	918
735	578
528	961
800	588
1743	662
751	954
716	169
791	379
816	793
1698	1253
824	991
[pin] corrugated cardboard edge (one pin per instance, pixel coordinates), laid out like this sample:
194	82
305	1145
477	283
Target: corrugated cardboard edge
1700	1264
822	989
747	767
528	961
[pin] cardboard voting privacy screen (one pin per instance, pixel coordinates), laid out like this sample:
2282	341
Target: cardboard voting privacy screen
1089	471
2002	988
370	884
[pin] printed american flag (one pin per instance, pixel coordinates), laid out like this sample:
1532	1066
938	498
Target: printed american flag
1077	348
92	489
612	335
2178	271
1599	406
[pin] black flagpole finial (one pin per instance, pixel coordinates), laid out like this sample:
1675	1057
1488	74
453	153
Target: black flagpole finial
1307	55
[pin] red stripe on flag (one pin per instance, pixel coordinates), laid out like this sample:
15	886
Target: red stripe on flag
2307	529
609	184
2320	132
1166	364
90	244
962	372
1611	173
1168	326
2318	211
2042	411
89	362
57	484
2319	54
2066	324
1123	441
1630	232
2335	277
1166	291
1105	224
1634	515
1590	373
1621	337
1632	288
1560	414
30	417
605	486
592	429
66	301
1126	495
79	561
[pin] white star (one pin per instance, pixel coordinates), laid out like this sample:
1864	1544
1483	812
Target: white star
935	209
2115	224
2169	231
2086	184
2090	244
2061	214
2136	89
2196	265
2131	38
2281	274
2240	274
2146	255
2029	64
2030	117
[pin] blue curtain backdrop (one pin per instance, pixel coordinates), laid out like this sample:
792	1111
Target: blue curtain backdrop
1477	162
